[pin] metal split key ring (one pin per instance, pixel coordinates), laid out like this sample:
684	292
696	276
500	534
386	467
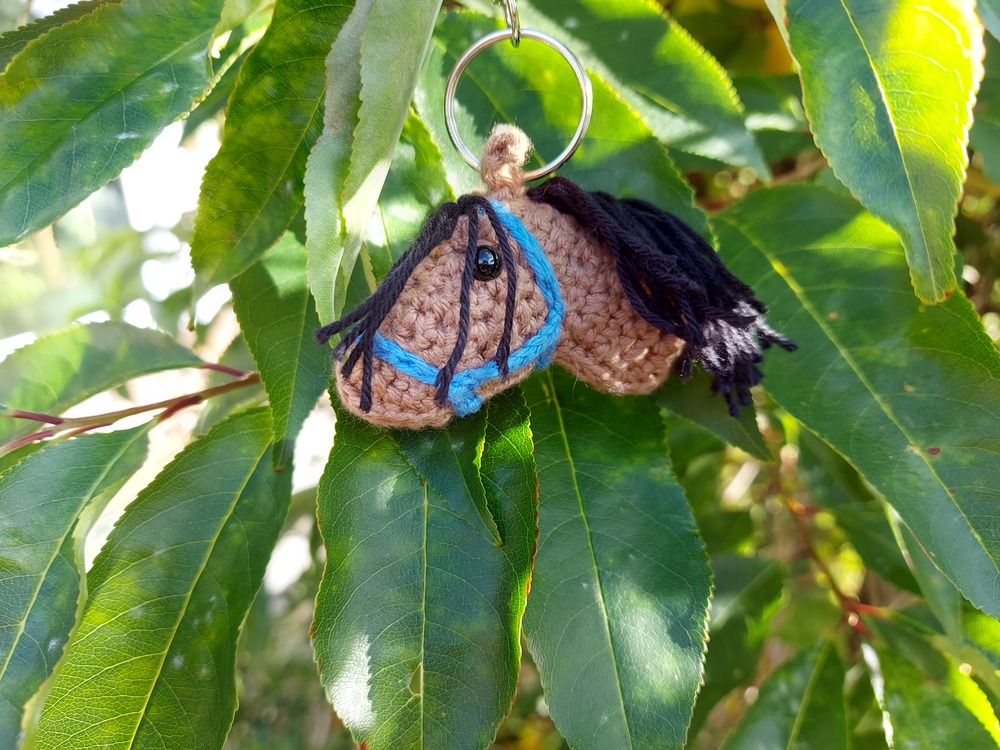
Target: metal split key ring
514	34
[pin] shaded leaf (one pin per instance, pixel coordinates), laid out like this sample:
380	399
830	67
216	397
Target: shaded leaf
450	460
116	78
745	595
678	89
910	395
941	596
394	38
774	114
48	503
151	663
920	714
985	133
800	706
17	39
253	187
694	400
278	319
65	367
989	14
889	89
616	621
417	618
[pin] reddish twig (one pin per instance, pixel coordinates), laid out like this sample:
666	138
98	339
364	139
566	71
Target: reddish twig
75	425
849	606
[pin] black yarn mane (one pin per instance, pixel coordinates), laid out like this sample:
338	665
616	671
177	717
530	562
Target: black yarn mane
360	325
676	281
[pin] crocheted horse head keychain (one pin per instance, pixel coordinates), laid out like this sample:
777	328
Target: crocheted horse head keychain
500	283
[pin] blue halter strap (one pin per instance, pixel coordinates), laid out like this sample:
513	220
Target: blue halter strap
536	351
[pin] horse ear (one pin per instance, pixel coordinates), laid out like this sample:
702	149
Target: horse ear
676	281
502	166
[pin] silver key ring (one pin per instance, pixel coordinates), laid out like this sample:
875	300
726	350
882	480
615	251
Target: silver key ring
586	95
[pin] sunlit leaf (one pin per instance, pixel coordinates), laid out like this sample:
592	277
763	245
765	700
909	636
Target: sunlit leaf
616	620
80	103
365	112
278	318
253	186
151	663
17	39
48	502
889	89
418	616
909	394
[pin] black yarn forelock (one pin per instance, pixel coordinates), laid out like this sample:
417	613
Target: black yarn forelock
677	282
360	325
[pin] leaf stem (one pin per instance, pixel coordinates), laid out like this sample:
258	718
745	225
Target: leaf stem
849	606
170	406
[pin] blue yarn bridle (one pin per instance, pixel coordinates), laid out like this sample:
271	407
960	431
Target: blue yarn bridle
536	351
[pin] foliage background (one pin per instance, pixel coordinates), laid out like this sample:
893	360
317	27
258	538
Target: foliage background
828	615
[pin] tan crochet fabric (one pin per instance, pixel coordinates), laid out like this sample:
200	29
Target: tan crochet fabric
603	340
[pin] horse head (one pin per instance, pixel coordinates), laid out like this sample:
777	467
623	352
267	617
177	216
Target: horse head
496	285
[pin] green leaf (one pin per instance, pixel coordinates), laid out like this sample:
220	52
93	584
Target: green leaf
65	367
889	89
678	89
985	134
620	155
989	14
694	401
375	61
450	461
14	41
217	100
910	395
116	78
415	186
941	596
327	167
919	647
151	663
278	318
746	594
920	714
617	616
253	187
47	505
774	114
418	615
801	706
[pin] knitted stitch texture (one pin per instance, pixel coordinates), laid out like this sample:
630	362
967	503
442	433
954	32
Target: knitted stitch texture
631	279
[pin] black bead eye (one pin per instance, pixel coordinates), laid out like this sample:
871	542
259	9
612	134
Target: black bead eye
488	265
